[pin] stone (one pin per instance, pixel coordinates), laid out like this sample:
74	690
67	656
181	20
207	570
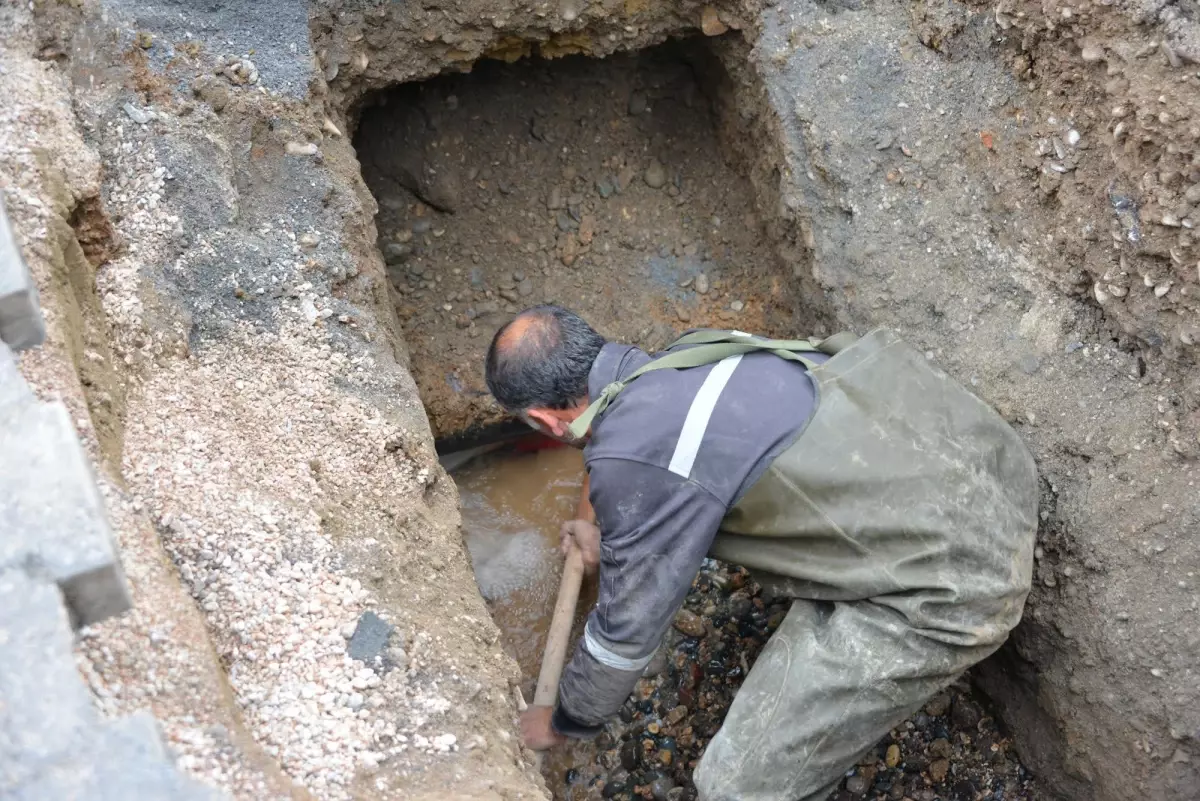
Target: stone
737	305
638	103
938	769
856	785
655	175
52	514
369	638
965	714
606	186
938	705
555	201
702	284
396	253
689	623
139	115
525	288
301	149
21	324
939	747
661	787
710	22
892	757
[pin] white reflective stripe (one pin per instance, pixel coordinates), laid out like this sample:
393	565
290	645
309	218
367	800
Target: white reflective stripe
610	659
739	333
696	422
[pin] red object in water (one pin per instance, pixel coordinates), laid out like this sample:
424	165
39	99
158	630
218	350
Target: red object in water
532	442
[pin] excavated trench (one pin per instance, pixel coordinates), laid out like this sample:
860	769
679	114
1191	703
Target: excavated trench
639	190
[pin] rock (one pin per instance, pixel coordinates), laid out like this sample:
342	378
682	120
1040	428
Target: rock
397	657
555	201
510	295
892	758
683	314
938	705
940	747
737	305
328	126
587	229
301	149
857	785
938	770
661	788
625	178
689	623
655	175
702	284
965	714
369	638
710	22
525	288
139	115
638	103
606	186
629	755
396	253
563	221
212	91
1193	193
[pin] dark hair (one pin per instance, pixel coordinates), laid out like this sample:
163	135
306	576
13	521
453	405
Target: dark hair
542	357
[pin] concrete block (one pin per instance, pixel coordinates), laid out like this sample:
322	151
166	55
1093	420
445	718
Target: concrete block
13	389
45	708
52	515
124	759
21	323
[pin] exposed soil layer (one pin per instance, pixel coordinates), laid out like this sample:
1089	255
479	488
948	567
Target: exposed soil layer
600	185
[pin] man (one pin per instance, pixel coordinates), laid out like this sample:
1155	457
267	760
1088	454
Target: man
894	507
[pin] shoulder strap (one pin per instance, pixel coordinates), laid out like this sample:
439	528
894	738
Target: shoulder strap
711	347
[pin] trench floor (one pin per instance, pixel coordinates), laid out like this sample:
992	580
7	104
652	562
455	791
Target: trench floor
600	185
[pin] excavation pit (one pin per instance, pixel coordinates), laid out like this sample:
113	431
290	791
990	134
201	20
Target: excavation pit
637	191
611	186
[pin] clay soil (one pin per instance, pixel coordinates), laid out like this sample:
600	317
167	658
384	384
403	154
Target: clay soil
600	185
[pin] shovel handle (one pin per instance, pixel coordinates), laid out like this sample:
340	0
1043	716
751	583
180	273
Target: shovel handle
559	636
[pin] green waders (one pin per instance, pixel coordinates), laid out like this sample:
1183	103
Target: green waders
902	523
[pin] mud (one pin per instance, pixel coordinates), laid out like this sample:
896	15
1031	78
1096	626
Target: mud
601	185
512	507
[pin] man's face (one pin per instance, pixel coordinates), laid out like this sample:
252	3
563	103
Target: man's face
553	423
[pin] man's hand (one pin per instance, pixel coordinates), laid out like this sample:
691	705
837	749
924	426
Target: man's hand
536	731
585	536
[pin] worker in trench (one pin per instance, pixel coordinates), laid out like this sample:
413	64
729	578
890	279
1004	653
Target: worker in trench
896	509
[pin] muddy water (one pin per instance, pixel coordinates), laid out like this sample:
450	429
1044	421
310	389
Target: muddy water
512	507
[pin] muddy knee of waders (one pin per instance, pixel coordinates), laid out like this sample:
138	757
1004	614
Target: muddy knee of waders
832	681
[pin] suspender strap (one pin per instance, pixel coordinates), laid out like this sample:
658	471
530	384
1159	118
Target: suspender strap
710	347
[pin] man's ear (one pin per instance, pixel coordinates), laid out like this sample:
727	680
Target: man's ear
549	421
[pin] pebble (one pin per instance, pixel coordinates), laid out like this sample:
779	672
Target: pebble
525	288
555	201
938	769
737	305
655	175
938	705
606	186
856	785
683	314
892	758
139	115
702	284
395	253
689	623
638	103
710	22
301	149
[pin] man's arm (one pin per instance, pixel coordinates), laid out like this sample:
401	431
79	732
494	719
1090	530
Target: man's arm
657	528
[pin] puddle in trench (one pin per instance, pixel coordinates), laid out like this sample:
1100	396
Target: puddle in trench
512	507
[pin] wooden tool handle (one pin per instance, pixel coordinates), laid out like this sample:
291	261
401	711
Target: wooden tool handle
560	631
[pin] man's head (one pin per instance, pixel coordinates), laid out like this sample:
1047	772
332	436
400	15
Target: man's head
538	365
